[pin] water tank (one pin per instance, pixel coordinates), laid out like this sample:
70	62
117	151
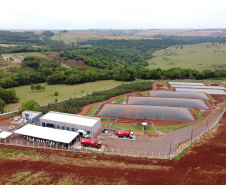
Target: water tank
144	126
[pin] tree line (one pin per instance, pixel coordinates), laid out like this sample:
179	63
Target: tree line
6	97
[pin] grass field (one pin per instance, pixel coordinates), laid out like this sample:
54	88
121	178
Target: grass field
69	38
150	130
24	92
18	55
120	100
199	57
93	108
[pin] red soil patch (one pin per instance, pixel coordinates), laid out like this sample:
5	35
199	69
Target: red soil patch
69	62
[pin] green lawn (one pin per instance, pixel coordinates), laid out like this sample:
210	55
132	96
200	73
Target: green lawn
24	92
119	100
150	129
200	57
93	108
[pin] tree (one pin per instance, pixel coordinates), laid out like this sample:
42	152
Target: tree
43	88
30	105
32	87
47	33
38	87
2	105
56	93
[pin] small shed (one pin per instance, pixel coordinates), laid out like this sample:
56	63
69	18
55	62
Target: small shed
4	135
31	116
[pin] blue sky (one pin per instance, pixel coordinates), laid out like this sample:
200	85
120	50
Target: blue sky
117	14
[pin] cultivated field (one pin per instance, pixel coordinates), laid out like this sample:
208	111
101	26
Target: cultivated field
184	32
65	91
83	36
199	57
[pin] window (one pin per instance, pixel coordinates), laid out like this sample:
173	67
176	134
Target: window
88	132
43	124
73	129
68	128
62	127
58	126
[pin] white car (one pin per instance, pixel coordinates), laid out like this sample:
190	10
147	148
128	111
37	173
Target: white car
16	118
11	128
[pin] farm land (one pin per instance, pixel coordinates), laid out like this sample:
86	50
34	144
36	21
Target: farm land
183	32
200	57
75	37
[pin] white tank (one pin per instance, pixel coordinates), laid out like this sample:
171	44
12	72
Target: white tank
144	126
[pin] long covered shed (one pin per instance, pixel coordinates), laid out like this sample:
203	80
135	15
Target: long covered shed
70	122
46	133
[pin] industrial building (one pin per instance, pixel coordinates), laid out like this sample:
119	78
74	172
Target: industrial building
70	122
31	116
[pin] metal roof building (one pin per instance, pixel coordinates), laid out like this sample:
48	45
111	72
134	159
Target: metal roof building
62	136
70	122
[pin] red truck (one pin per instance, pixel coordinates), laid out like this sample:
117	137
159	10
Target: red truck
214	84
121	133
92	143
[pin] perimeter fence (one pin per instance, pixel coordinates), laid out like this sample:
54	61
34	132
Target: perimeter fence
209	123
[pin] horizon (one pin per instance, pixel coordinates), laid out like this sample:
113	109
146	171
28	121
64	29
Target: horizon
127	14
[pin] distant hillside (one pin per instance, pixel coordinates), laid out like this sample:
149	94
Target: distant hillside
8	37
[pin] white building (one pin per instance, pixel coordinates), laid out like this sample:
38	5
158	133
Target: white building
31	116
70	122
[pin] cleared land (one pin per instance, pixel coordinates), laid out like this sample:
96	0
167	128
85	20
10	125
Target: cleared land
205	56
65	91
68	63
21	55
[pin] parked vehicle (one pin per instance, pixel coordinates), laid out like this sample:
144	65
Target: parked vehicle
121	133
16	119
214	84
11	128
20	127
82	133
92	143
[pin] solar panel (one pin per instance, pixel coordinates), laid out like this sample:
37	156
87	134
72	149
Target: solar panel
173	94
173	102
143	111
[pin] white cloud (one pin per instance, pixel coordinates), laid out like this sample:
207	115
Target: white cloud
85	14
